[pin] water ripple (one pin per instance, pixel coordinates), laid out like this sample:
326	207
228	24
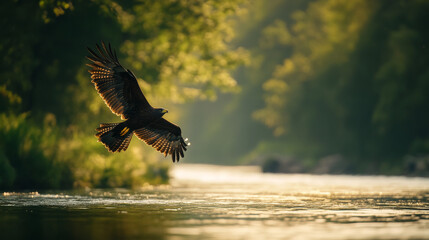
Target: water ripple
236	203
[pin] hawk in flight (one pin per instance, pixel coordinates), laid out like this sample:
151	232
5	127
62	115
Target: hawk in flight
120	91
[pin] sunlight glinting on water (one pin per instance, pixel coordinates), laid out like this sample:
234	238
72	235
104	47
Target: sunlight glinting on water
300	183
219	202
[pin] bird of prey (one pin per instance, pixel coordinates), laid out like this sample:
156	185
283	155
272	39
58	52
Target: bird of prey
121	92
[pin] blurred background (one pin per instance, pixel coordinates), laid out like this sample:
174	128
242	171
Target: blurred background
299	86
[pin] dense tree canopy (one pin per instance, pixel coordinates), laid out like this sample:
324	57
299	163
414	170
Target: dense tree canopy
314	78
334	77
178	49
356	80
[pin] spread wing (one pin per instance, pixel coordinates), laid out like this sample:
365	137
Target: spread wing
116	85
165	137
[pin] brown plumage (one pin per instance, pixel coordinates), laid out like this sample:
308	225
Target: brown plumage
119	89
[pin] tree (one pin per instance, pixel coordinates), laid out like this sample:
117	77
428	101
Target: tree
353	84
178	49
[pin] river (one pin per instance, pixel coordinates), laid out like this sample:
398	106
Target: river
220	202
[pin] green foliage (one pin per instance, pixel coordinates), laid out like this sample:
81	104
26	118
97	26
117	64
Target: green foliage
223	132
27	154
33	156
327	77
178	48
354	83
93	166
324	47
7	172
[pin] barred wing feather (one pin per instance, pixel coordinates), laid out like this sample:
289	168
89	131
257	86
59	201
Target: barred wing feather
165	137
116	85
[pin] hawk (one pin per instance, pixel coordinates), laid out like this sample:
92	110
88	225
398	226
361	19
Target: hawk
120	91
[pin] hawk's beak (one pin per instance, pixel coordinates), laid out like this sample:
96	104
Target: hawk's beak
164	111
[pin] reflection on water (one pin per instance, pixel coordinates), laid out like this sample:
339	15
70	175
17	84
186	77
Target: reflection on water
212	202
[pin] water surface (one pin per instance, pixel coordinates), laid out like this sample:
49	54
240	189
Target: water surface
215	202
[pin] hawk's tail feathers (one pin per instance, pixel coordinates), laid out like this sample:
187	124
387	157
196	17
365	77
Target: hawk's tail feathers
115	138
